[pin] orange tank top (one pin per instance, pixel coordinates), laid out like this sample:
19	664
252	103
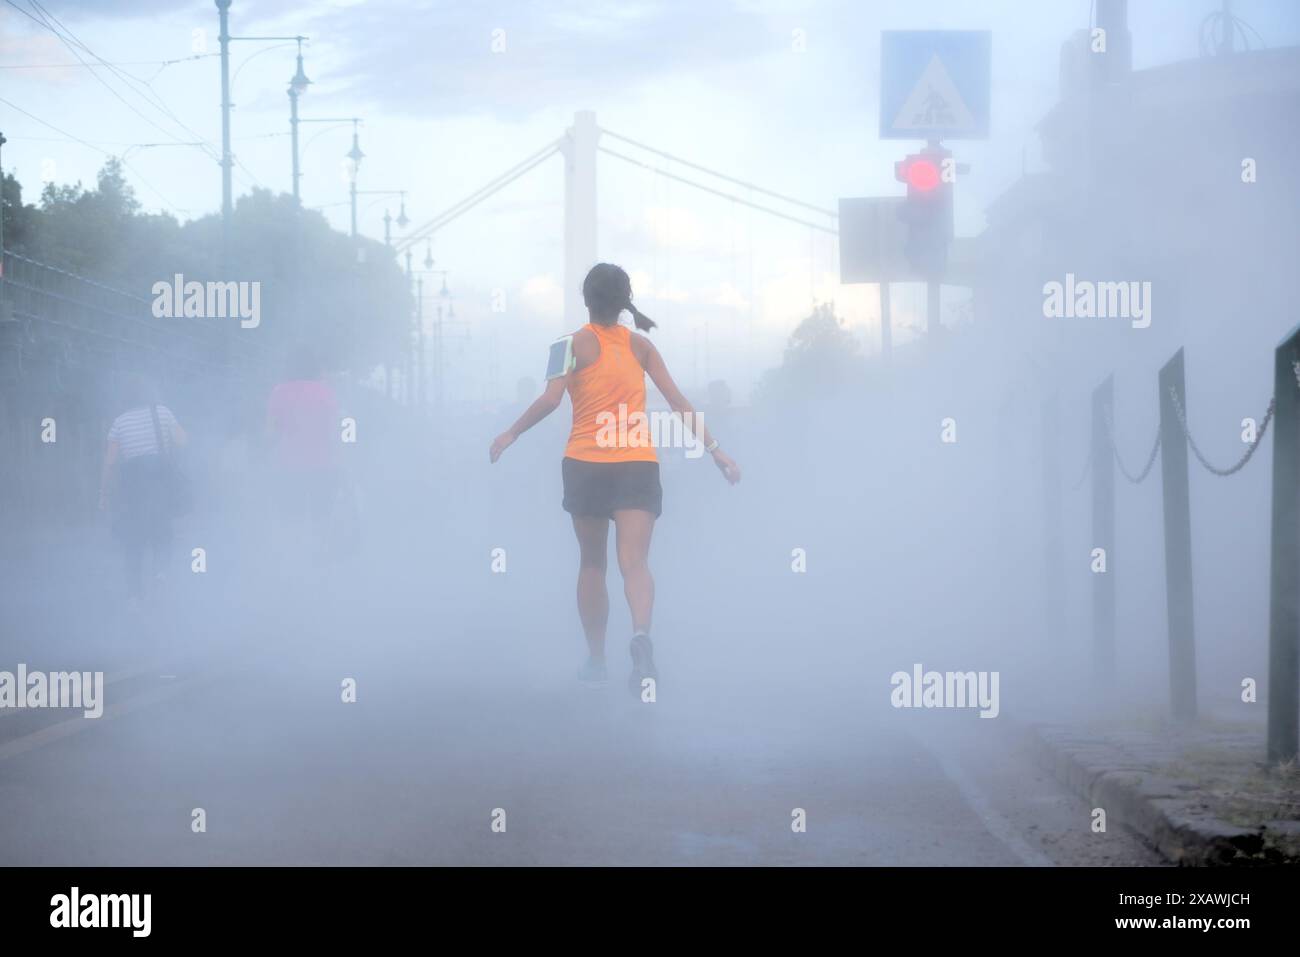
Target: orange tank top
609	417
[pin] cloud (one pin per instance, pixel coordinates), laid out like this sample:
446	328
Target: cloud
728	296
542	295
70	10
22	41
644	288
437	58
688	231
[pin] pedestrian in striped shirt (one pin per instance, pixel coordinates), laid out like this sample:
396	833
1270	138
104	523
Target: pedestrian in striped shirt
133	487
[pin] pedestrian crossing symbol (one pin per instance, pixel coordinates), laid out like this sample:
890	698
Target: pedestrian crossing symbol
934	84
934	104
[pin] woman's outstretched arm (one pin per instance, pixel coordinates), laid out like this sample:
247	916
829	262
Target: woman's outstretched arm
544	405
657	370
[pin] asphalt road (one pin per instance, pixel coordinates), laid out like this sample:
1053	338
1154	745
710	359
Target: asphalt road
241	714
226	688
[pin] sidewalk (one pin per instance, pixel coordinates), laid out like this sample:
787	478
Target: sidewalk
1201	795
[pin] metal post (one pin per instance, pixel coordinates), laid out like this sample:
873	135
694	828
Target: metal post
932	309
1178	544
1103	535
1054	537
3	315
3	141
297	86
410	341
353	191
437	362
579	213
293	139
1284	585
356	156
227	161
421	388
886	324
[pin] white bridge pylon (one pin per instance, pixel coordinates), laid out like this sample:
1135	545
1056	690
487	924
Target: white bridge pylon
579	146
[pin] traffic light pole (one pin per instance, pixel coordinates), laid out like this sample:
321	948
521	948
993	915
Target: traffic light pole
932	322
928	214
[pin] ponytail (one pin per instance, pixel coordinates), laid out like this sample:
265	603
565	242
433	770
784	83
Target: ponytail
643	322
607	291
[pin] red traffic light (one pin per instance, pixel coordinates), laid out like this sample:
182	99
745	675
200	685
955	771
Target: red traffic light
919	172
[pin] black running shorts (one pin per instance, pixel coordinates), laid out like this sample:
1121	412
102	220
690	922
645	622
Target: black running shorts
600	488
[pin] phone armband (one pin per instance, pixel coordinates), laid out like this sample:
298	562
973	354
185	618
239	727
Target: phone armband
561	360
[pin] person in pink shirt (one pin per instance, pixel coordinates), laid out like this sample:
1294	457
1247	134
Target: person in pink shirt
304	430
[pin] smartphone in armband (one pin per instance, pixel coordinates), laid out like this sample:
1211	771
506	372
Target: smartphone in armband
561	361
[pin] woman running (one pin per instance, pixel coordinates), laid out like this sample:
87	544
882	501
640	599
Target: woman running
613	473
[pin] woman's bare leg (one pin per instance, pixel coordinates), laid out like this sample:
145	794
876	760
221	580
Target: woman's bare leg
593	599
633	528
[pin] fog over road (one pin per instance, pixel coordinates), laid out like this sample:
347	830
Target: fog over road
226	694
411	773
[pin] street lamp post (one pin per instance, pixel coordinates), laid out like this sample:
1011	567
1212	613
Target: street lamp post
420	387
227	161
354	155
402	220
440	340
444	297
299	82
421	358
410	347
297	87
445	312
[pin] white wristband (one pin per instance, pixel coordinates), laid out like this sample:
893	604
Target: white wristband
712	447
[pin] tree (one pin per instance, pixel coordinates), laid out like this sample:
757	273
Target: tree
822	359
350	298
17	217
87	231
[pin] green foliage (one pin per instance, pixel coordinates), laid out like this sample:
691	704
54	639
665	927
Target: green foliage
313	285
18	219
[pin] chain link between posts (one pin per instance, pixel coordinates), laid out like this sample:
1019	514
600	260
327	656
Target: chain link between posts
1114	450
1191	443
1200	457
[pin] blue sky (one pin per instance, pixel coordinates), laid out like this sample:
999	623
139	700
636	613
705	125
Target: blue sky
720	83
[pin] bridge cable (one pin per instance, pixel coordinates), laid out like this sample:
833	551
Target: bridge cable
473	199
718	192
731	179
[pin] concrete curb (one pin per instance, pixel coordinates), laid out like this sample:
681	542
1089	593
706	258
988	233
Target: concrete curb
1160	810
